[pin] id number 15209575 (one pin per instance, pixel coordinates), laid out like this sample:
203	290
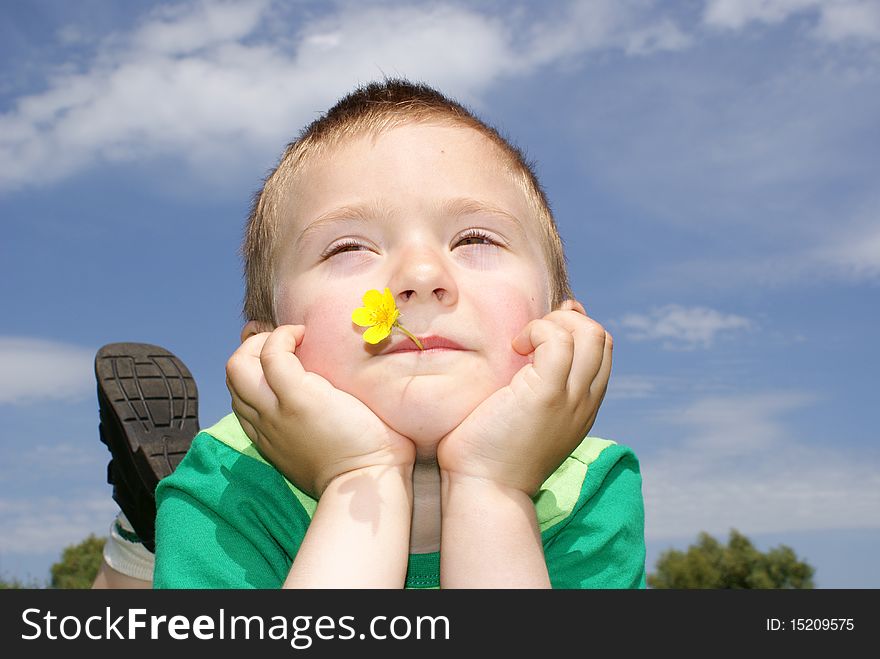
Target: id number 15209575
810	624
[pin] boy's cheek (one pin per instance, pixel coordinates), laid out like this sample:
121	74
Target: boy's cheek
327	344
507	360
511	311
320	356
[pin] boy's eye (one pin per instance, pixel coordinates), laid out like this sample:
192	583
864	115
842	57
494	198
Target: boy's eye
345	246
475	237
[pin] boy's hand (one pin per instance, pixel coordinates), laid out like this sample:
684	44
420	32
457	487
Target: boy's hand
310	430
520	434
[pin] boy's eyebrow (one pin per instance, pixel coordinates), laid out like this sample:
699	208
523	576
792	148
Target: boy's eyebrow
469	206
366	212
358	212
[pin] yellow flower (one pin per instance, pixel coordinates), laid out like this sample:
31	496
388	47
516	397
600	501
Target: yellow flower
379	315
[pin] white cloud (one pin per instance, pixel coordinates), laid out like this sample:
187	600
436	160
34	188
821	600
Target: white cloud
846	20
738	465
853	253
631	386
49	523
581	27
735	14
835	20
187	28
849	254
214	82
36	369
764	174
52	459
664	35
681	328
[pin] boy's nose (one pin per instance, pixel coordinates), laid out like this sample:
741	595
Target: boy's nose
423	277
406	296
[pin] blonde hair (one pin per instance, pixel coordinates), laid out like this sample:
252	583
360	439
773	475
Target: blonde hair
373	109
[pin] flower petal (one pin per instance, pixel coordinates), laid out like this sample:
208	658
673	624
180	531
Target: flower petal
376	334
363	317
373	299
388	299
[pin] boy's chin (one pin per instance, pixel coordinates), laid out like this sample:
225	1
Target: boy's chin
425	422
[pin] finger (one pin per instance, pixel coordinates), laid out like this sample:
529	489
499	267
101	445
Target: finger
244	373
588	424
248	428
600	382
252	345
599	387
281	366
573	305
255	437
243	409
589	346
553	348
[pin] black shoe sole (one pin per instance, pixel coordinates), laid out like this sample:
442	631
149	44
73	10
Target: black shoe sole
148	402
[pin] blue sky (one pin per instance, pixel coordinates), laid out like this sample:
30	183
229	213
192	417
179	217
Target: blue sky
713	167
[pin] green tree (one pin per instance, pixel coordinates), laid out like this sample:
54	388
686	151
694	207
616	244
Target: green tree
79	564
16	584
709	564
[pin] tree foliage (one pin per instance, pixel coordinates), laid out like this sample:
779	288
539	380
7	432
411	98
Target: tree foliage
13	584
709	564
79	564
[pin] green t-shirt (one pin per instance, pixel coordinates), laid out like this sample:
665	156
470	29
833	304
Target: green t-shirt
228	519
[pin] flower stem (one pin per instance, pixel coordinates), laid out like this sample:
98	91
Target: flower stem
407	332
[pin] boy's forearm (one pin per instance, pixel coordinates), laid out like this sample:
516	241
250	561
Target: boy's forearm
490	537
359	535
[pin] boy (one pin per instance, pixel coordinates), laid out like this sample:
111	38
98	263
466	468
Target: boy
353	464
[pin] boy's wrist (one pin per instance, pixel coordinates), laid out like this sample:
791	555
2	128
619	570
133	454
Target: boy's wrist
490	536
359	533
484	485
373	473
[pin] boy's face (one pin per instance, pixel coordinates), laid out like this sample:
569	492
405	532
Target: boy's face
431	213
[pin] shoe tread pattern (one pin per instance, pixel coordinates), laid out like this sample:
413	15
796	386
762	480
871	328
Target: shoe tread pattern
148	401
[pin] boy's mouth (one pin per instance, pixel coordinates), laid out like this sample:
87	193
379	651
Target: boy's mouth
429	343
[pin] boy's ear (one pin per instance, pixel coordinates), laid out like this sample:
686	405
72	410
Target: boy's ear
254	327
